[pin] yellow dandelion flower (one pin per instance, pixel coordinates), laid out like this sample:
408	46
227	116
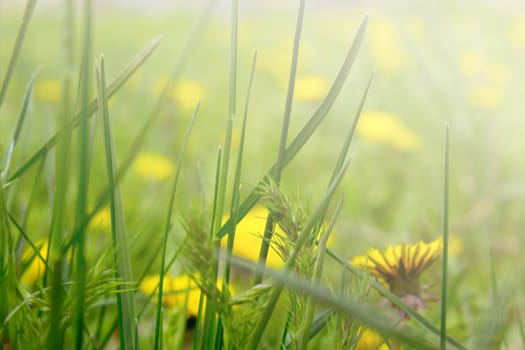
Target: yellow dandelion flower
310	88
187	93
37	267
485	96
248	238
385	128
385	46
101	221
400	267
370	340
48	90
498	73
177	292
470	63
154	166
517	33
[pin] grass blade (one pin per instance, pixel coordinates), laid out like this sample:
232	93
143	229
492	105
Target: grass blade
18	129
306	132
279	164
125	299
443	334
167	228
56	332
28	12
83	175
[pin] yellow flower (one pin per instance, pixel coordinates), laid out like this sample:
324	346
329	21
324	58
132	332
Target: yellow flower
370	340
310	88
154	166
517	33
485	96
400	267
498	73
248	238
48	91
177	292
185	93
36	267
470	63
101	221
385	46
385	128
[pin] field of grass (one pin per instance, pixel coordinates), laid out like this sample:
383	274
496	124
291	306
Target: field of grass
375	147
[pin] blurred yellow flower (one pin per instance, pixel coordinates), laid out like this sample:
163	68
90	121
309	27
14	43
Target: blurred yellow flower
248	238
310	88
517	33
185	93
48	90
101	221
400	267
36	267
385	46
485	96
154	166
177	292
385	128
370	340
455	245
498	73
470	63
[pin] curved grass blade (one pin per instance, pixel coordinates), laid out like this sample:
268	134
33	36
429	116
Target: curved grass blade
125	298
279	164
18	129
113	87
443	335
28	12
306	132
167	228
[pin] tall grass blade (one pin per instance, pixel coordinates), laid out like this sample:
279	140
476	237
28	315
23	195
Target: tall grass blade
306	132
237	178
18	129
28	12
125	298
443	334
83	172
56	331
167	228
279	164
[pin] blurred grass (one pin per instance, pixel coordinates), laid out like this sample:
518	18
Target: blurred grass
439	61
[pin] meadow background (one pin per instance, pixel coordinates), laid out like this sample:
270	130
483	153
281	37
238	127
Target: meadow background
434	62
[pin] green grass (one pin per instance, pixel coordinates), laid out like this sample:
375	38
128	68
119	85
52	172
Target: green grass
331	190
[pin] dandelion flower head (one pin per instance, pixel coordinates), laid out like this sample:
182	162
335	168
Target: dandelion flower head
154	166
